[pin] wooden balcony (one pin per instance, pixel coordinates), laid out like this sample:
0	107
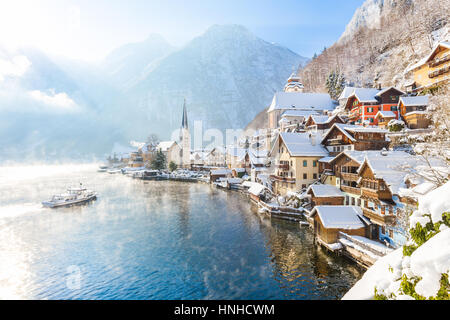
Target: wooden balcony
352	190
377	217
376	194
282	166
349	176
282	179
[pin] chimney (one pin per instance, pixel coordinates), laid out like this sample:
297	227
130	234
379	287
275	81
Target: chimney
313	139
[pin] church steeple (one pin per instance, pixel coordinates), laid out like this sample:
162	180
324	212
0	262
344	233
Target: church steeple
184	122
185	140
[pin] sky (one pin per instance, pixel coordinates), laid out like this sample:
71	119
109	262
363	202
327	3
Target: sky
88	30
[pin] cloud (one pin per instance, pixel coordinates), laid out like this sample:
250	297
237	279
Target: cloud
15	99
52	99
16	67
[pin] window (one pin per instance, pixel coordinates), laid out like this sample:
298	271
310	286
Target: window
314	163
371	120
305	176
391	234
303	186
383	230
393	108
314	175
305	163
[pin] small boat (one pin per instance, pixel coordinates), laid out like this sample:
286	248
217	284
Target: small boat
73	196
114	171
102	168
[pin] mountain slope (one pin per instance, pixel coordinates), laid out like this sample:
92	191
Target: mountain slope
227	76
383	38
51	107
127	64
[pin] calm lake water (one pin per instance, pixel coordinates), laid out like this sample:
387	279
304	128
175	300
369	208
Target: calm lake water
153	240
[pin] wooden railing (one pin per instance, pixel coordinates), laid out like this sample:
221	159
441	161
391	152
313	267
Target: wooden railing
285	179
349	176
352	190
381	218
359	243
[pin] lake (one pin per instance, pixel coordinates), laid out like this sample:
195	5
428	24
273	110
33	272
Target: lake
153	240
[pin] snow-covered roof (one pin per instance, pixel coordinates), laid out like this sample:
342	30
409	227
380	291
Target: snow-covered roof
386	114
365	94
165	145
298	113
391	166
347	92
299	144
327	159
256	189
325	190
340	217
416	112
320	119
220	172
387	89
302	101
414	101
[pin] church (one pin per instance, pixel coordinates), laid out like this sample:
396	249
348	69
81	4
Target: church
185	141
293	100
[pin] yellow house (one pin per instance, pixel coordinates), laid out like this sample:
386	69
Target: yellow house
297	166
434	69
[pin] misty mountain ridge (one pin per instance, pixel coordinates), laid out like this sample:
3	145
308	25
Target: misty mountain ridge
68	108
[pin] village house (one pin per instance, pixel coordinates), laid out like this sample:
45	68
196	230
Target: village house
322	123
235	157
325	195
297	164
217	174
328	221
383	118
135	160
413	110
345	94
147	152
380	176
294	119
171	151
372	180
300	101
342	137
215	157
363	104
433	70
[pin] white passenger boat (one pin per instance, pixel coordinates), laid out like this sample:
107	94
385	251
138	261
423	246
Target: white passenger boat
102	168
73	196
114	171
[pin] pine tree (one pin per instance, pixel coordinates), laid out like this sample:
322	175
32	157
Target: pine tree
159	162
172	166
335	84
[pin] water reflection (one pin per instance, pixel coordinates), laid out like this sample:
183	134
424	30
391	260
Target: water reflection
155	240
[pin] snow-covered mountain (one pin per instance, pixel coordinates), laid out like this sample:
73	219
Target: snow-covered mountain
51	107
126	65
227	76
368	15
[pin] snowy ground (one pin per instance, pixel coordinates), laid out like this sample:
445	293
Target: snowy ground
426	264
